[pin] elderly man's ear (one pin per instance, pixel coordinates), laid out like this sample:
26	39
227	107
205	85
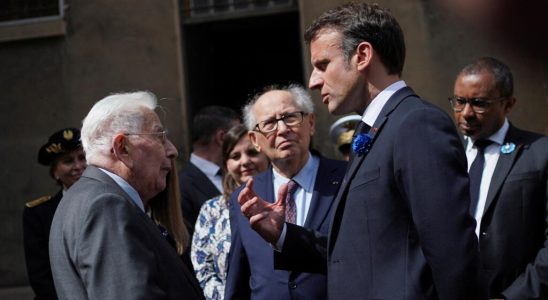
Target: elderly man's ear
121	148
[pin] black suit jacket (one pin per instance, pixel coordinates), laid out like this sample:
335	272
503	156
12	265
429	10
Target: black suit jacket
196	188
102	246
36	226
401	228
513	229
251	273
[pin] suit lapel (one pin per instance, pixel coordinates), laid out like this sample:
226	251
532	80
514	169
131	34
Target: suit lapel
503	167
325	188
375	132
203	183
264	187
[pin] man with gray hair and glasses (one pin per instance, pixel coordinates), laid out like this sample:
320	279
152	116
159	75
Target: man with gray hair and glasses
281	122
103	245
508	170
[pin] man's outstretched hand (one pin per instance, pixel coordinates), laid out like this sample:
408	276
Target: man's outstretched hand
266	218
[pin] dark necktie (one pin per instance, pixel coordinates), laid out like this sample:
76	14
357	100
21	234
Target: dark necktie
290	207
167	236
361	128
475	173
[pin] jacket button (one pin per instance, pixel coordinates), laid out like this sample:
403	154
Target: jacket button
292	285
484	233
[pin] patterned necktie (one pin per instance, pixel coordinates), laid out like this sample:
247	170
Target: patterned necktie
361	128
475	174
290	207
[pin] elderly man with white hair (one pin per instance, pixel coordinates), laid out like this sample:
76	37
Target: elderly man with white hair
103	245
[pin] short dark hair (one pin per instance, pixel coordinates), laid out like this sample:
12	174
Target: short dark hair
362	22
504	80
210	119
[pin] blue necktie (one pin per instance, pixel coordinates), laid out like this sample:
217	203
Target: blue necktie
475	174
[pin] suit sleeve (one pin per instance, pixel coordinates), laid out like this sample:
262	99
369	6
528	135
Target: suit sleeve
238	274
304	250
430	169
116	260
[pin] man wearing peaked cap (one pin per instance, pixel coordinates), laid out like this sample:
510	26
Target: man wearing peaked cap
341	133
64	155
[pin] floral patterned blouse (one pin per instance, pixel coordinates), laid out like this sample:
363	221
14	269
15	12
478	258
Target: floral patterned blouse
210	246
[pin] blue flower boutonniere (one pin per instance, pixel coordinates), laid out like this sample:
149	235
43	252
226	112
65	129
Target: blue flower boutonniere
507	148
361	143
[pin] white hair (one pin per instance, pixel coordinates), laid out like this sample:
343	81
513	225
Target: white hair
117	113
300	96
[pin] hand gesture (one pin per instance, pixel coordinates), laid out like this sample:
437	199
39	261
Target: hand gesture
265	218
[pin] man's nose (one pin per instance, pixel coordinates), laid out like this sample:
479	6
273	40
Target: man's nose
468	111
315	81
171	151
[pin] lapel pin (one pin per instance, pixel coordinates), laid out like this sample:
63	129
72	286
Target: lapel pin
335	182
507	148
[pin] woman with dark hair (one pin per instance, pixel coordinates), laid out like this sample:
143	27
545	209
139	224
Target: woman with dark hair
65	157
211	239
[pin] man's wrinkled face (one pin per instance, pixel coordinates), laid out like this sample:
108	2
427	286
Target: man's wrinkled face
286	142
151	153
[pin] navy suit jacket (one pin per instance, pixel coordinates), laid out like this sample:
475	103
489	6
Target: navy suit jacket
251	273
401	228
196	189
513	244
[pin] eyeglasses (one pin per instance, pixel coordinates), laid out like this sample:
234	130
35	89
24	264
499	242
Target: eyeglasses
162	135
479	105
290	119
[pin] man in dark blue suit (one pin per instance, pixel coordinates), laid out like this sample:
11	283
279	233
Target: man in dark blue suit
511	186
401	227
281	124
200	178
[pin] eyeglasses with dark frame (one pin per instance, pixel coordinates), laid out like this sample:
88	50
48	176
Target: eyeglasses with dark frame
289	119
479	105
161	134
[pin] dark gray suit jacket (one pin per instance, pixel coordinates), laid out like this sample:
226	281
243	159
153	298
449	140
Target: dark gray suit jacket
513	231
102	246
251	273
401	228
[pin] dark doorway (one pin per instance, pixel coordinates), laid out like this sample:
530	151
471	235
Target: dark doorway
229	60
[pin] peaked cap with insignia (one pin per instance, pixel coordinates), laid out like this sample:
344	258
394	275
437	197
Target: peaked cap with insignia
62	141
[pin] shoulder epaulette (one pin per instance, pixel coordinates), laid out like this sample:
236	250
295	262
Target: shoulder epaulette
37	202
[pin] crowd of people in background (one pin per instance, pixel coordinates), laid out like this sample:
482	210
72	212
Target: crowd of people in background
414	210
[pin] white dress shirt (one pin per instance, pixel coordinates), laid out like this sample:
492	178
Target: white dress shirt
211	170
491	153
303	195
374	108
132	193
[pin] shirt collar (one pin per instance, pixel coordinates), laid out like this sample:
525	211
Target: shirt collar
497	137
303	178
209	168
374	108
132	193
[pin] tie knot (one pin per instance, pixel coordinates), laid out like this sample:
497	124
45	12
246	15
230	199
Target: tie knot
361	128
482	144
292	185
